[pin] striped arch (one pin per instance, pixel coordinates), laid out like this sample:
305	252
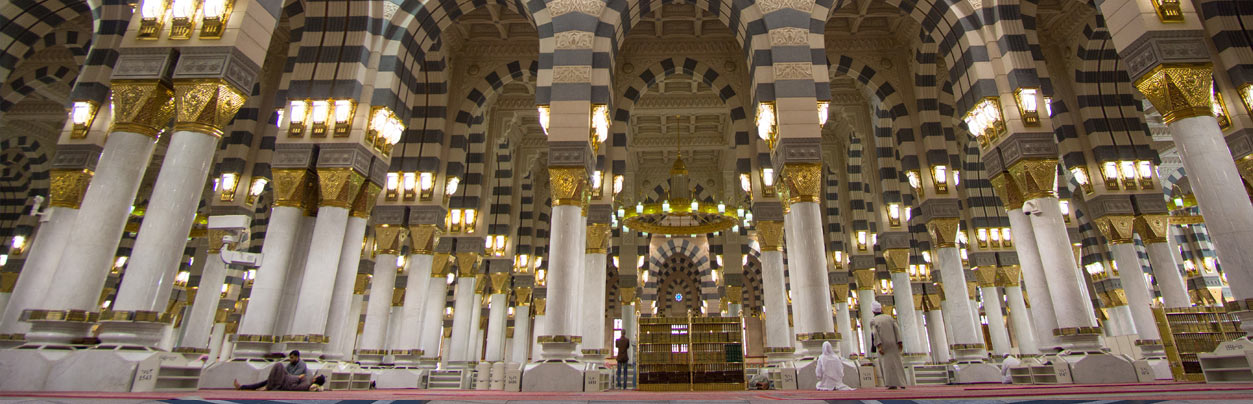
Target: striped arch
631	93
25	23
1173	178
1107	110
753	295
471	111
18	88
469	131
1227	26
701	263
892	132
22	175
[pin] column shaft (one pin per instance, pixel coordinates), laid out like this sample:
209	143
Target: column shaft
1071	303
416	287
379	307
996	323
521	334
199	322
965	328
267	288
163	234
1018	318
811	291
564	262
865	297
593	307
323	261
433	317
338	324
295	276
1169	277
1043	318
778	333
1137	289
41	265
98	227
939	340
494	350
845	326
903	294
462	315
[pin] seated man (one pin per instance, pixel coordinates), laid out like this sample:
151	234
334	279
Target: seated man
293	376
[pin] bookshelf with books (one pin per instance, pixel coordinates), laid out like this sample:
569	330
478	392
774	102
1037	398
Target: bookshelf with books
691	354
1190	331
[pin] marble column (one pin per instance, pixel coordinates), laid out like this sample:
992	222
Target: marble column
1182	93
845	326
433	309
594	277
1154	230
903	295
407	349
519	352
967	336
986	277
1138	300
199	323
498	308
296	271
1044	319
41	262
378	308
476	320
809	284
565	261
1069	293
463	313
770	238
1008	279
258	322
338	323
936	331
865	299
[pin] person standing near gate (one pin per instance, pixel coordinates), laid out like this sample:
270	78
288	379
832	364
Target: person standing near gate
624	358
886	340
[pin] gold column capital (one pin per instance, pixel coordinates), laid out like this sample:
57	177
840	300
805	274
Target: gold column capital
804	181
466	261
359	287
339	186
839	292
1009	276
439	265
522	295
141	106
500	283
389	238
1153	228
289	186
206	105
539	304
626	295
1114	297
770	235
215	240
1117	229
568	185
865	279
422	238
364	203
734	294
897	259
985	276
1179	91
944	231
1005	188
933	301
480	284
1036	178
598	238
68	187
972	289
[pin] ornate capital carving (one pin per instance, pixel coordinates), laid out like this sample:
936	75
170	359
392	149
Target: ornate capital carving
500	283
598	238
467	263
897	259
804	181
522	295
1153	228
770	235
1008	190
440	264
865	279
389	238
289	186
1008	276
540	304
141	106
68	187
985	277
206	105
422	238
735	294
1179	91
568	185
839	292
626	295
364	203
1035	177
944	231
1117	229
339	186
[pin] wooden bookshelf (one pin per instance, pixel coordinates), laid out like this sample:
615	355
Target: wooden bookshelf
691	354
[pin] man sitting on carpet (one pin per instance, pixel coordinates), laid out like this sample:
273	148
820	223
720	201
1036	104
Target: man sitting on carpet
293	376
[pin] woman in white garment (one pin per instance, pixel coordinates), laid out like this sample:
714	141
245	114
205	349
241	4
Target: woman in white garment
830	370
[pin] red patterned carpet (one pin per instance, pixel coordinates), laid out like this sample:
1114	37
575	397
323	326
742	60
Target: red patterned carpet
1156	391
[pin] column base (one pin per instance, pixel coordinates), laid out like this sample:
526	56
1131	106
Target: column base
27	369
370	357
558	347
917	358
553	375
399	378
58	328
221	375
110	369
811	343
252	347
12	340
1096	367
779	355
968	373
807	376
310	346
193	354
594	355
132	329
407	358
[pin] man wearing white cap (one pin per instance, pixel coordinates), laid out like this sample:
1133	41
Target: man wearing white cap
885	339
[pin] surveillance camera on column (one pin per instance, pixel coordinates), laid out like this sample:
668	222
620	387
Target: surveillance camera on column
236	227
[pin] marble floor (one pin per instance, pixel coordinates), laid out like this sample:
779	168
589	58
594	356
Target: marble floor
981	394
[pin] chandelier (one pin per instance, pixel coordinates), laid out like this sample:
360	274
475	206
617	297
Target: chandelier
679	214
